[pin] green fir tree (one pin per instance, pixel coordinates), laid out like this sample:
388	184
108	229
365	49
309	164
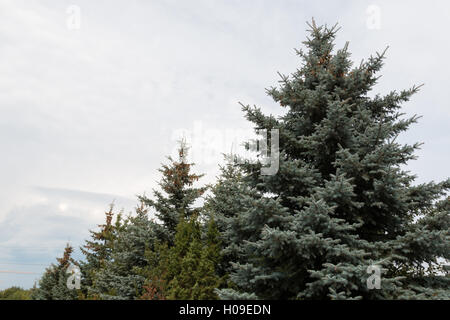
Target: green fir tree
178	194
188	269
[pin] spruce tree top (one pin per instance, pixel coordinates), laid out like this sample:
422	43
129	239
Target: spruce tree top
178	196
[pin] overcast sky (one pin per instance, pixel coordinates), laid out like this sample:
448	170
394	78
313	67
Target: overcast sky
94	95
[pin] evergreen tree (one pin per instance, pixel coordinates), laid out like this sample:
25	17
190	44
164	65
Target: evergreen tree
228	196
156	272
119	280
187	270
208	280
178	194
98	251
193	263
124	277
53	284
184	260
340	200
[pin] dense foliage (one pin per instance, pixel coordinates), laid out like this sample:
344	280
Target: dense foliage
340	204
341	200
53	284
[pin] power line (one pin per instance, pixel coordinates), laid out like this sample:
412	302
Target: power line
23	264
34	247
18	272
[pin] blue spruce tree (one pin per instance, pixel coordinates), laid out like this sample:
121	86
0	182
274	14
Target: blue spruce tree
54	282
340	202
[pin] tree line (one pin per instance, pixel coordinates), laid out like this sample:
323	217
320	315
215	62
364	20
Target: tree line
340	202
